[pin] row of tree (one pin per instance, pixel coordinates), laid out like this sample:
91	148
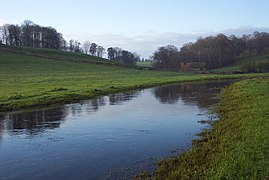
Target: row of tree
29	34
86	47
123	56
216	51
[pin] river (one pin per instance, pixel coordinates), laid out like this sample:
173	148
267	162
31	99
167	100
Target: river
106	137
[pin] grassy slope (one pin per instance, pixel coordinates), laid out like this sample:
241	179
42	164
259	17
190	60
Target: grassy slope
55	54
238	145
28	81
238	64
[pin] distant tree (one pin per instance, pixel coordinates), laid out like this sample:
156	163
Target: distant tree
124	57
118	52
77	46
27	33
111	53
166	58
49	38
136	57
64	45
86	46
93	49
71	45
5	33
30	34
100	51
14	34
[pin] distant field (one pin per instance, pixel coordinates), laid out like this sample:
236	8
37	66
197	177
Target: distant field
30	81
144	64
238	64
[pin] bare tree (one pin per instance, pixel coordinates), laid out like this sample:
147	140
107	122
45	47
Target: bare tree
86	46
93	49
71	45
165	58
5	33
100	51
77	46
111	53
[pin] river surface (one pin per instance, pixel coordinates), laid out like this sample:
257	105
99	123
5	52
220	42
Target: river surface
107	136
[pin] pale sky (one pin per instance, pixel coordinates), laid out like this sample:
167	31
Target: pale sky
140	25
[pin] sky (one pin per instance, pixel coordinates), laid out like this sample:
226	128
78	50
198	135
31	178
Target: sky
140	25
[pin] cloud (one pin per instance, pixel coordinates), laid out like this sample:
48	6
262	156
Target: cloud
147	43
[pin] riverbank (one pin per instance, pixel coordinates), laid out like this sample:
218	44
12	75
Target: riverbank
237	145
28	81
38	94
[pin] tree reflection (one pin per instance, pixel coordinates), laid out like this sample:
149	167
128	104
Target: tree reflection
202	95
2	117
120	98
39	121
87	107
169	94
33	122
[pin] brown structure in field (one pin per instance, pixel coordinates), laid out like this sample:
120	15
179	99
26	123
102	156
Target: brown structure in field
193	66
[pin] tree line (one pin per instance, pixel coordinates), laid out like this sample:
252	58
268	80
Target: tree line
122	56
29	34
216	51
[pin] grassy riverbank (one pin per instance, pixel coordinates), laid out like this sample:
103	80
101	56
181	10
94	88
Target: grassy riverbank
238	145
40	77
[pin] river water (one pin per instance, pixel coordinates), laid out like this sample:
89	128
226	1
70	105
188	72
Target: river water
108	137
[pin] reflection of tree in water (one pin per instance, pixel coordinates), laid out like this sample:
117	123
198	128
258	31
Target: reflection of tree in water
200	94
2	117
93	105
86	106
33	122
169	94
36	122
96	103
120	98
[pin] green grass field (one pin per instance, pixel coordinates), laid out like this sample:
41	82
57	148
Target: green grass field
237	146
29	81
60	55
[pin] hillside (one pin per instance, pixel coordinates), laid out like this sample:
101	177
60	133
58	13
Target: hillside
57	55
30	77
237	65
40	77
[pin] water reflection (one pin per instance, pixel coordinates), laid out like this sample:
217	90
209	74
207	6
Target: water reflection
35	122
93	137
193	94
32	123
198	94
118	99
